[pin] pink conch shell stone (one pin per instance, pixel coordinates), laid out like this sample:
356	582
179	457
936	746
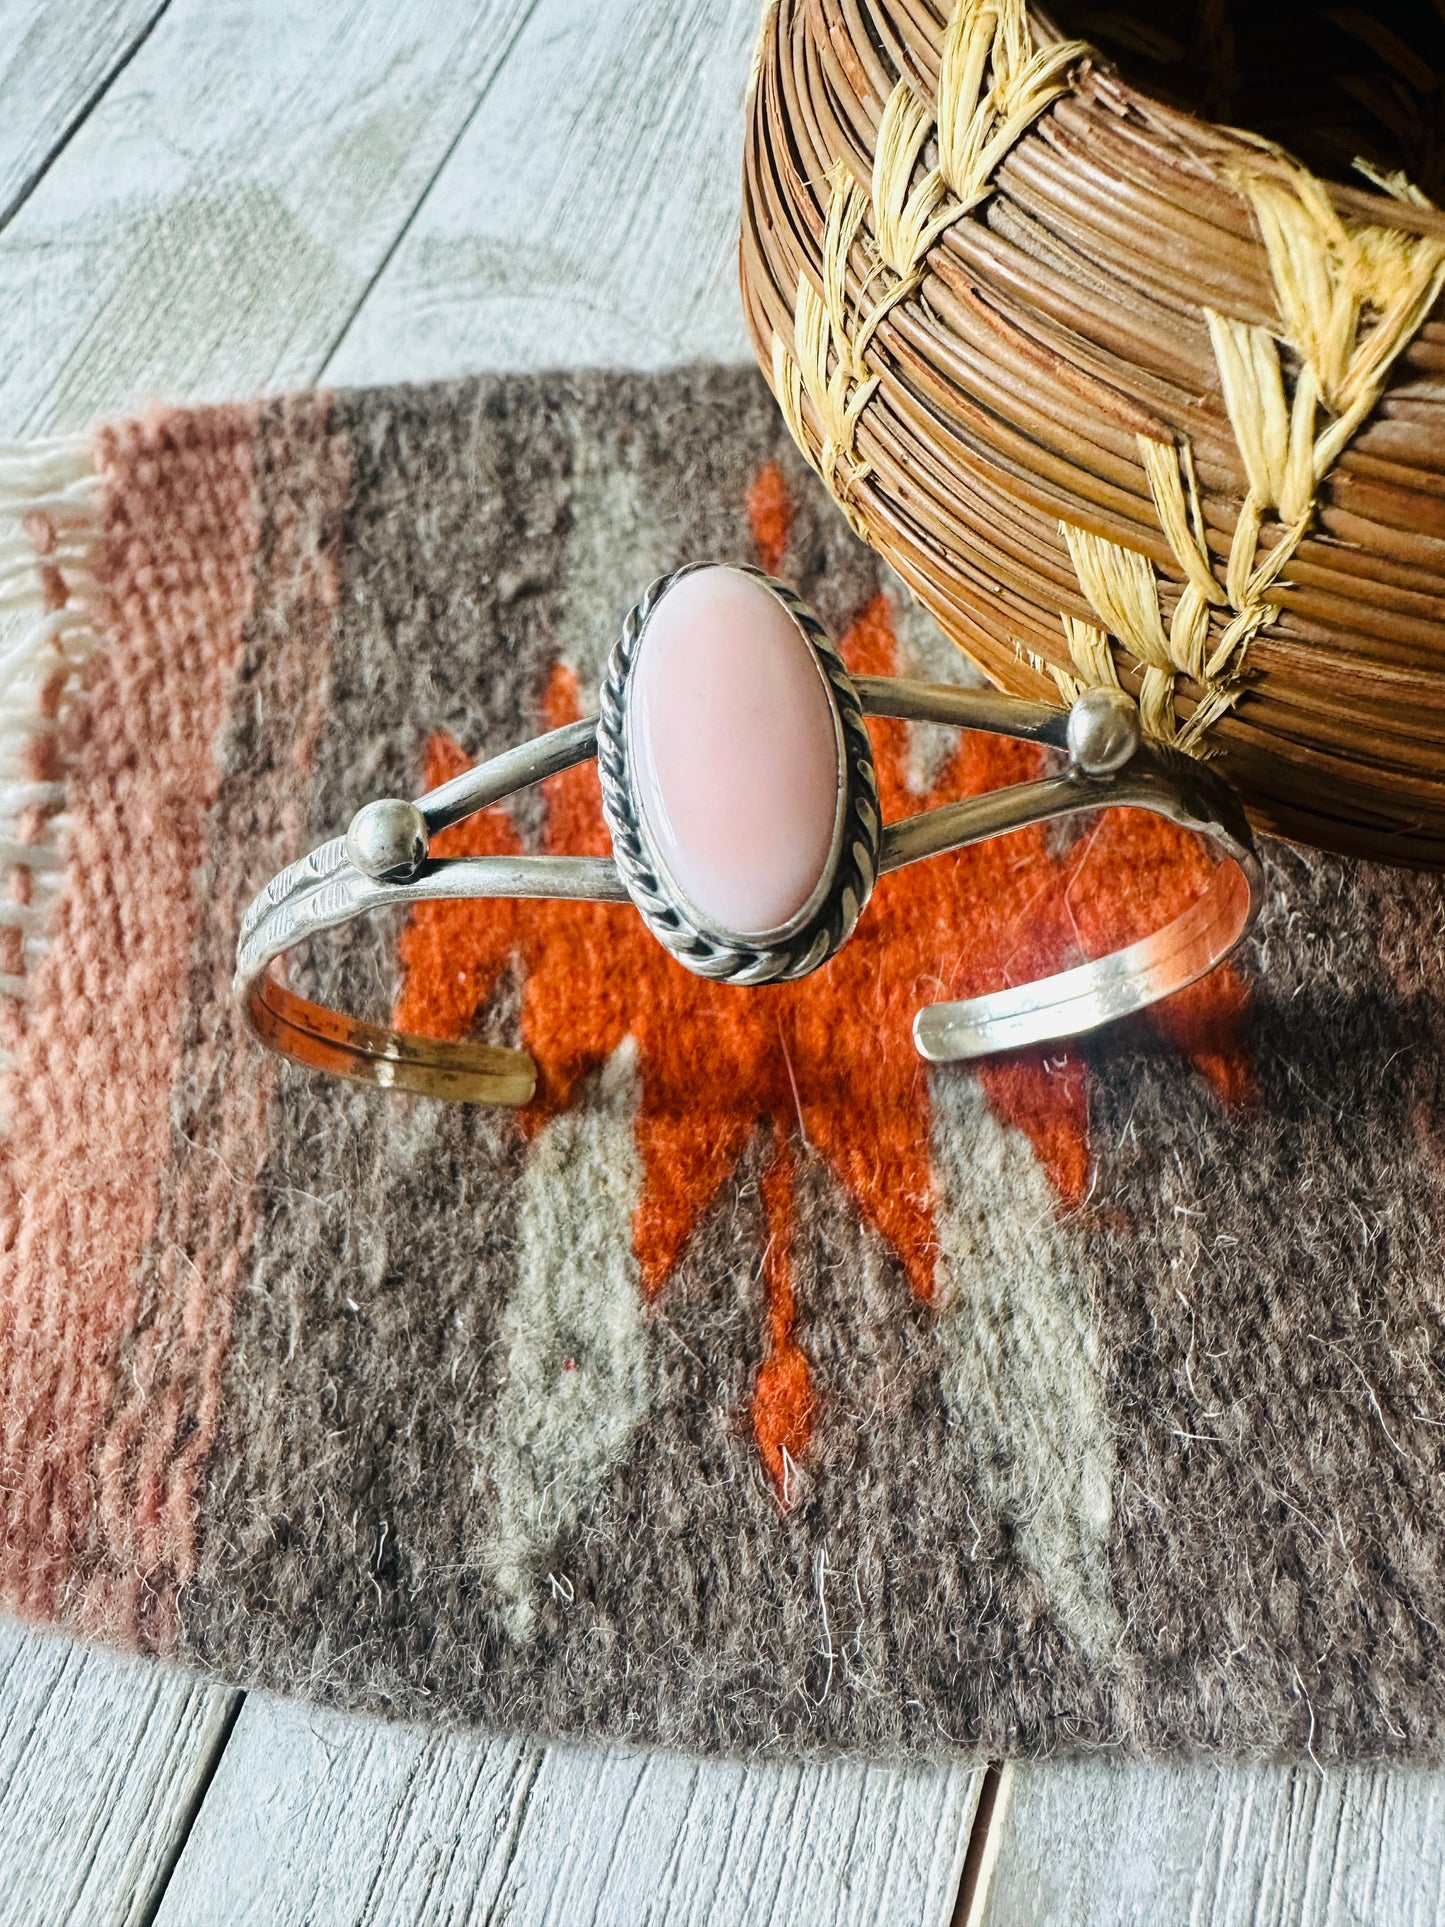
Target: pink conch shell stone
734	751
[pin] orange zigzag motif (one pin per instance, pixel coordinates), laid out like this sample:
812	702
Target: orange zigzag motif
828	1062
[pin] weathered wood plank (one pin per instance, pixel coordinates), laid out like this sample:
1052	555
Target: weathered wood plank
1206	1847
217	219
54	63
102	1764
589	214
326	1818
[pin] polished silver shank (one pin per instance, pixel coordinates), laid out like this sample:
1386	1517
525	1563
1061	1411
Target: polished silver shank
1099	990
327	888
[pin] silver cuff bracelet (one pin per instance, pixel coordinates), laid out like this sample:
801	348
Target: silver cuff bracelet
739	790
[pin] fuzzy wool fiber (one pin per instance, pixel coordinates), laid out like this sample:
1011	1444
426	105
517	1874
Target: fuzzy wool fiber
758	1389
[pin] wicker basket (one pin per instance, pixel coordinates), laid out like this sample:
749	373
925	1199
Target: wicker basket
1124	394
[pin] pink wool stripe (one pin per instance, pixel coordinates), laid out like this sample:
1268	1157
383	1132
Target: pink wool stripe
98	1051
168	1393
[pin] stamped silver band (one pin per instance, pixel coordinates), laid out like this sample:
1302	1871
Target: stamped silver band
383	861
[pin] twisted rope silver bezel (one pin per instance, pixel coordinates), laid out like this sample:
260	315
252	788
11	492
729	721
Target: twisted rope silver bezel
707	951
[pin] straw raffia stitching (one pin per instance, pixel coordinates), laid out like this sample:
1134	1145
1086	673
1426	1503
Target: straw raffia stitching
825	363
1120	585
992	87
1092	658
1350	296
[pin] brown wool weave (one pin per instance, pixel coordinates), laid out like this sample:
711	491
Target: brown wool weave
757	1388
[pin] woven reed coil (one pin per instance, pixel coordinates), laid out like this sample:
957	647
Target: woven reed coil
1124	394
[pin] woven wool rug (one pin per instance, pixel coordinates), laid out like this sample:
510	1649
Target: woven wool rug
757	1388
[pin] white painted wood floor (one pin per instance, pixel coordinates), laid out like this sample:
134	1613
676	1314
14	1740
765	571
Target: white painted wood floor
208	198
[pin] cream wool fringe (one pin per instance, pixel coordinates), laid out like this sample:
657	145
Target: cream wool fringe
49	606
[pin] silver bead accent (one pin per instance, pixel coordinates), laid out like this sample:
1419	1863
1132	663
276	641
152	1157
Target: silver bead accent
387	840
1103	731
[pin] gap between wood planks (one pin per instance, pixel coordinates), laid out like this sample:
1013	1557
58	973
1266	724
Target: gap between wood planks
146	1917
67	133
420	202
984	1837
